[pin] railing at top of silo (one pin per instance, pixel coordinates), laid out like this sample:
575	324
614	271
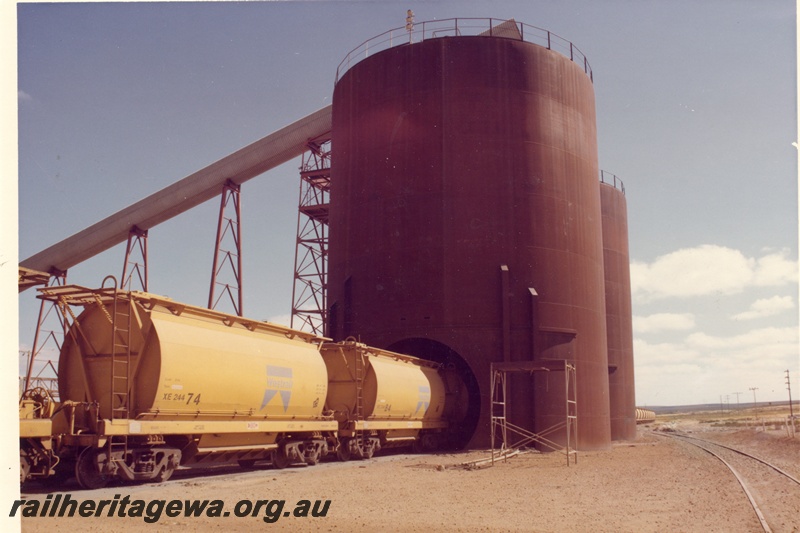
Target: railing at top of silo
490	27
611	179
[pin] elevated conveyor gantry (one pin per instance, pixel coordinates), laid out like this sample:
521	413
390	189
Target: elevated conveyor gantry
252	160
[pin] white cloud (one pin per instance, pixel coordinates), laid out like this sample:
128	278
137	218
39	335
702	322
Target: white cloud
663	322
22	96
749	343
283	320
775	269
701	367
656	355
766	307
708	269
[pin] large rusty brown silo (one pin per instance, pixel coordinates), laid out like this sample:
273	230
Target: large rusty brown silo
465	220
616	258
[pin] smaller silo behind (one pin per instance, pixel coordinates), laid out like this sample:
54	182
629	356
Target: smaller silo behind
616	261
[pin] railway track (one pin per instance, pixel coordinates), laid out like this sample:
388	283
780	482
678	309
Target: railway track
773	493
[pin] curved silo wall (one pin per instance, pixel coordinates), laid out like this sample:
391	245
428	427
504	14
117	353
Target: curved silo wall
455	157
622	395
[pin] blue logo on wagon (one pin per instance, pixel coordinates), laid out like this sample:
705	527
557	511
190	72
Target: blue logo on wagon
279	382
424	398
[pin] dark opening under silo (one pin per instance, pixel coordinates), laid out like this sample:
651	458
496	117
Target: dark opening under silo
622	393
465	219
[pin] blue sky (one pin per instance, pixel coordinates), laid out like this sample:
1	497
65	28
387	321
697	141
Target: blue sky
696	105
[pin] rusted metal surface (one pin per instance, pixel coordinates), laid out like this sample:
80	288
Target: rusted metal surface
454	157
205	184
622	393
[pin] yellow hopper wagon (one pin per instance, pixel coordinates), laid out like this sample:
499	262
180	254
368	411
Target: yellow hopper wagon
386	399
147	384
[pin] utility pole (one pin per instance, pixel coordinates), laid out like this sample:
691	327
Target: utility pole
737	399
721	405
789	388
755	405
754	389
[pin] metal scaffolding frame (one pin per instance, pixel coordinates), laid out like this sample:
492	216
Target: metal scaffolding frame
498	409
309	307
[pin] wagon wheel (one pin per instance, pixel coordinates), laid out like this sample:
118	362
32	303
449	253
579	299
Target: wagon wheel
343	451
365	451
279	458
165	474
170	465
86	472
417	446
312	458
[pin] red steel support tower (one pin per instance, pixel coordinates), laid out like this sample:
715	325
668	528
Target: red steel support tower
228	226
57	278
309	310
137	242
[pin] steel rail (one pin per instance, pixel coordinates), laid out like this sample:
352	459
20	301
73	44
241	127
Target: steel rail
760	460
685	438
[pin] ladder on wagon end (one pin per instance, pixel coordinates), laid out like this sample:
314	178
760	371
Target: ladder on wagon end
121	360
362	436
359	368
119	309
121	315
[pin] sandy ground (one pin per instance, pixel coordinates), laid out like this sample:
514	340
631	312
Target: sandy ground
652	484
